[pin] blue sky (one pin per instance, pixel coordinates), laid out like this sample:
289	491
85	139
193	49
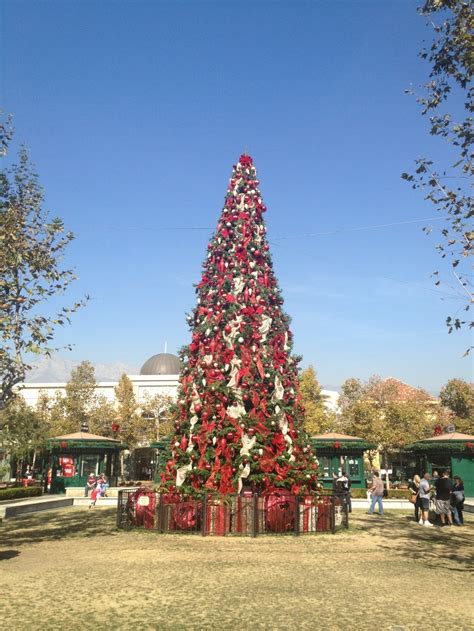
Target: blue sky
134	113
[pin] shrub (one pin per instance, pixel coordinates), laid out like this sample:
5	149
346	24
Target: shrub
359	493
393	494
399	494
19	492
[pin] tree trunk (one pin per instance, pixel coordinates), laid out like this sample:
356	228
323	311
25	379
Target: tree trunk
385	466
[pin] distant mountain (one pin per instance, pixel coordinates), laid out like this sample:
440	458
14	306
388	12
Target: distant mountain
58	369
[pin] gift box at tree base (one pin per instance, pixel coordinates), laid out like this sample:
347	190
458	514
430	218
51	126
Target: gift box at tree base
239	414
249	514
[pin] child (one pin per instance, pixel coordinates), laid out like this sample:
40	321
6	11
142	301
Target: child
95	495
90	484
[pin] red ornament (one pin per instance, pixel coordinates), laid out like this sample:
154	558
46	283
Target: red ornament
115	427
251	431
63	444
197	407
245	160
469	445
230	436
337	444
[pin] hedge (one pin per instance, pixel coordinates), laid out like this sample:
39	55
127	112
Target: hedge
19	492
393	494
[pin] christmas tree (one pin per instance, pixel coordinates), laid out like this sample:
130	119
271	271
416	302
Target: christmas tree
239	414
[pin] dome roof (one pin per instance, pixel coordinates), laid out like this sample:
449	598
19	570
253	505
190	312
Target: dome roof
161	364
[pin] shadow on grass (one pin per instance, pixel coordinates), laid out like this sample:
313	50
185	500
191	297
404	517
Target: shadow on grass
451	547
8	554
60	524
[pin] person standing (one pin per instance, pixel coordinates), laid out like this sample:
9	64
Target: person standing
414	487
377	493
424	495
457	501
444	489
343	485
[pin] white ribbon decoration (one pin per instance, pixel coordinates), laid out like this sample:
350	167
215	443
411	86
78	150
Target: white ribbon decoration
181	474
236	411
239	284
279	390
283	424
235	365
244	474
264	328
229	337
247	444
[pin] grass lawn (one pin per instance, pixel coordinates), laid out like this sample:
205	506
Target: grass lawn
71	569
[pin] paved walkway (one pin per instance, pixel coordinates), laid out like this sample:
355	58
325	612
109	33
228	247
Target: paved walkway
10	508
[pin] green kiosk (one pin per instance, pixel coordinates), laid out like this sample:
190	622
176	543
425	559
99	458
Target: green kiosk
73	457
453	452
339	451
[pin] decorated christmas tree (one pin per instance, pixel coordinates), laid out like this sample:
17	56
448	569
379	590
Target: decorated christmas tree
239	415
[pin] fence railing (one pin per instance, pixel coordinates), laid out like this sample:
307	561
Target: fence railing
245	515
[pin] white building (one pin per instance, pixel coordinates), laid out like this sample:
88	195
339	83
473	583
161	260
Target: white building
158	375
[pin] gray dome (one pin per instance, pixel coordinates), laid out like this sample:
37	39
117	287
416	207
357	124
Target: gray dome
161	364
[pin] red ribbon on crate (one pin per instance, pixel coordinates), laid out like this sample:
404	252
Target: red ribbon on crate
144	502
280	511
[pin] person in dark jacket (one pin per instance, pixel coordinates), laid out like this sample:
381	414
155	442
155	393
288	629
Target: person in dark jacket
414	486
343	489
444	488
457	501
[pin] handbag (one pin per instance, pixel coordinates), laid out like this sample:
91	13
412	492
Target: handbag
412	498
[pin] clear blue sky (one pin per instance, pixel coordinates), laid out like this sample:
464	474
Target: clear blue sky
134	113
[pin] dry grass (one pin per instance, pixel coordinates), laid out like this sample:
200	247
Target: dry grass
71	569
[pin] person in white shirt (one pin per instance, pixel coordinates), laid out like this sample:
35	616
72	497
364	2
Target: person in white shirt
424	495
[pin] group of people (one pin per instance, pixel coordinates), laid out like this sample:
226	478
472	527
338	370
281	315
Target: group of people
448	498
96	486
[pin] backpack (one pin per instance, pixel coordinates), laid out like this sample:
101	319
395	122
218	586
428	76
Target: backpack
343	485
